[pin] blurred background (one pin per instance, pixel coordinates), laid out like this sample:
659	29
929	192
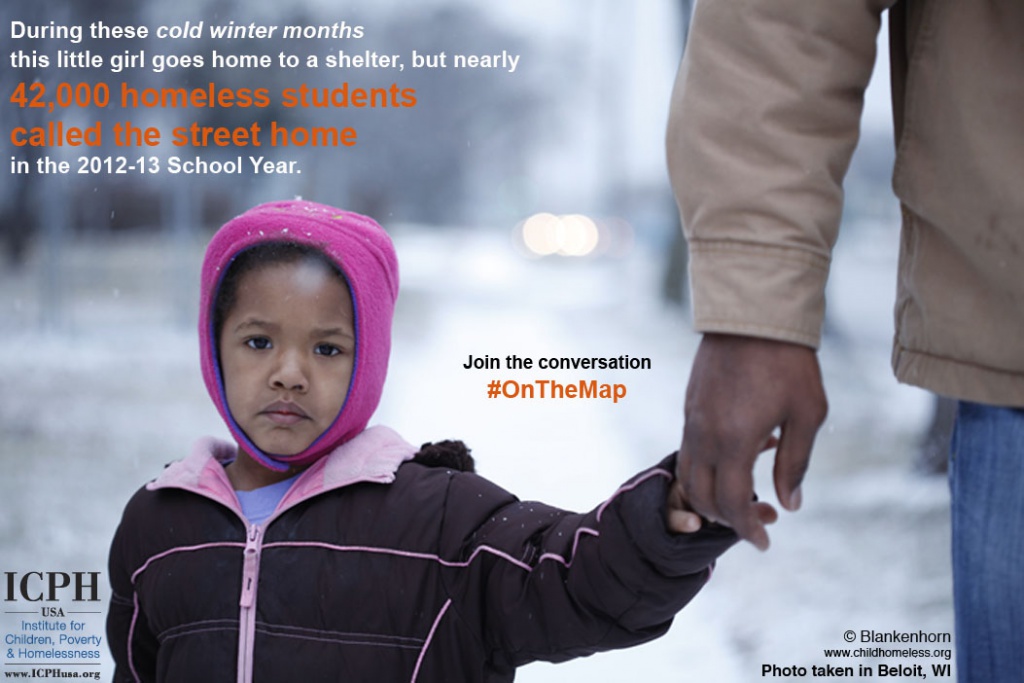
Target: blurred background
532	215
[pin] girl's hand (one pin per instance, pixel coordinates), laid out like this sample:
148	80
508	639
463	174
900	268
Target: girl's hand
679	518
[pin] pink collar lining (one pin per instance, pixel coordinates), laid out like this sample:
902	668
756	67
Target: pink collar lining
373	455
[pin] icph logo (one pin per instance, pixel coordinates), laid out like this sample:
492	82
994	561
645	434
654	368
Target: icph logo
52	586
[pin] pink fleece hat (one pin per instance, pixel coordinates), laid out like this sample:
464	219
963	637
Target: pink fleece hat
366	257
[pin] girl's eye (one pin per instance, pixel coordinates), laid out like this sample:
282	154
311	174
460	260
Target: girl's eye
326	350
258	343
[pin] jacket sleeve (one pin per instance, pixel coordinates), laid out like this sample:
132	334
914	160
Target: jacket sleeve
764	118
132	645
546	584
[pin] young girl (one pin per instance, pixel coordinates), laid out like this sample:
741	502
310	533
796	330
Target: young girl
315	549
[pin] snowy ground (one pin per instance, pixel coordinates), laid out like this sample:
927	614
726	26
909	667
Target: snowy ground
95	403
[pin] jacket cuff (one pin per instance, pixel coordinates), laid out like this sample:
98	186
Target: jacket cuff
673	555
758	291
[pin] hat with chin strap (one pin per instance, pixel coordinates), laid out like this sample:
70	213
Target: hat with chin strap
366	257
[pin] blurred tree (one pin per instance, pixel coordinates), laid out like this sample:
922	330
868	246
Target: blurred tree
18	211
419	164
470	130
675	284
675	281
21	199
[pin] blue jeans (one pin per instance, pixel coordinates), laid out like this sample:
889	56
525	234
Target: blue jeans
986	476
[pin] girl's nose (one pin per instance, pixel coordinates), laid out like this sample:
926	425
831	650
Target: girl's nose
290	373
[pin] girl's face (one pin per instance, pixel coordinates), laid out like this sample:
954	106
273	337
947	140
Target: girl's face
286	353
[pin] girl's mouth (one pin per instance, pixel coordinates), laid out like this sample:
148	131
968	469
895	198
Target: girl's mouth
284	413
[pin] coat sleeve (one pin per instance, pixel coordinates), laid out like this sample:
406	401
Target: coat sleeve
542	583
765	116
132	645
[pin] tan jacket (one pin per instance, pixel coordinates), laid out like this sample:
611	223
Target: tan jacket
765	116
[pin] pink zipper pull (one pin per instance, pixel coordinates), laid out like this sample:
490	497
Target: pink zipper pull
250	566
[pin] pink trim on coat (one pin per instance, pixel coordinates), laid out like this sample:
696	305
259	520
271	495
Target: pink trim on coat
430	638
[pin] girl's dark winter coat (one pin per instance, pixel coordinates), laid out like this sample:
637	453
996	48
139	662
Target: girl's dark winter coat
375	568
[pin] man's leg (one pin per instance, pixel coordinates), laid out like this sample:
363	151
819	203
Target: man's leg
987	484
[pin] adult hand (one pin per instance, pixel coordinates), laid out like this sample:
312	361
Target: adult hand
741	389
680	517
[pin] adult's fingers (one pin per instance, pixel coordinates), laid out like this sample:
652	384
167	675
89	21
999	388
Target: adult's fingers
717	479
794	455
734	496
697	480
